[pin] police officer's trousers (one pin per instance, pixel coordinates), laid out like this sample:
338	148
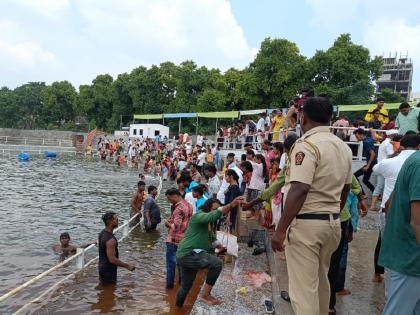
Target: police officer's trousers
309	246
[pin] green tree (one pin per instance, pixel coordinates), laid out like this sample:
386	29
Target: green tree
345	71
28	105
211	100
9	115
391	97
96	101
58	103
279	71
122	103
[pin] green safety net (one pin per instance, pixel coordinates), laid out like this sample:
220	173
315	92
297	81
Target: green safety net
356	108
231	114
149	116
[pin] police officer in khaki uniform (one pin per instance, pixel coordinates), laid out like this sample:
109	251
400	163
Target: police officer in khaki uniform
317	184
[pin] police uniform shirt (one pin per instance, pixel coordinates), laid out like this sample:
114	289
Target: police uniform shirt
323	161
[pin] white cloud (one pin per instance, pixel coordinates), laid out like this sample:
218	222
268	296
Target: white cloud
384	26
52	9
17	52
395	36
330	13
110	36
205	31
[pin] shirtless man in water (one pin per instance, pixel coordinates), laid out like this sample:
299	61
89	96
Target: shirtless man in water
65	248
137	200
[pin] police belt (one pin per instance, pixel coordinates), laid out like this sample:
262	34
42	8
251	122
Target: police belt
317	216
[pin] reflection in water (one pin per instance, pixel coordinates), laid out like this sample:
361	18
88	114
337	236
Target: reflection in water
45	198
106	298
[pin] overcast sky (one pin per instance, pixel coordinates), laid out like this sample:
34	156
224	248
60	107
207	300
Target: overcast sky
75	40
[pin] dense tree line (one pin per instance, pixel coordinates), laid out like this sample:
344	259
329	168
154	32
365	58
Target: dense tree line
345	71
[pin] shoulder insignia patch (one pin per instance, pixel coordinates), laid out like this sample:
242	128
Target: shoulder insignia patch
299	158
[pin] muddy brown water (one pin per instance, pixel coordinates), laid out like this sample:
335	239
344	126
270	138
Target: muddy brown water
42	198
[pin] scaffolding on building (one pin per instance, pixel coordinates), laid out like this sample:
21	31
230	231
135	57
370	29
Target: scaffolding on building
397	75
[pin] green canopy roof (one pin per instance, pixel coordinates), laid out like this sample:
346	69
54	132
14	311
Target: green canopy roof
355	108
231	114
149	116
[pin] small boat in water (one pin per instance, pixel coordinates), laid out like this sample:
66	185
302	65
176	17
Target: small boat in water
50	154
24	156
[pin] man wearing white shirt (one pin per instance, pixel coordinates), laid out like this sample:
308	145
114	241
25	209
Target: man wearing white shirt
224	185
213	183
213	149
181	164
188	148
200	140
191	200
268	122
385	150
261	123
201	158
389	169
260	130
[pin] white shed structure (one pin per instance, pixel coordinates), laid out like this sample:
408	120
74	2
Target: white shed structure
148	131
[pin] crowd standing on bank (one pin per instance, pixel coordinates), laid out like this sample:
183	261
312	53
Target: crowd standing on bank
295	178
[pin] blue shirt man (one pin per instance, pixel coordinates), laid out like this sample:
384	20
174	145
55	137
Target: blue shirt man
370	154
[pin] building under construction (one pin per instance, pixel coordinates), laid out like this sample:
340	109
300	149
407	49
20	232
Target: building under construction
397	75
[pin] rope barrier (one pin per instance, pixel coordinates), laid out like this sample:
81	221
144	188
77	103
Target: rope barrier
52	269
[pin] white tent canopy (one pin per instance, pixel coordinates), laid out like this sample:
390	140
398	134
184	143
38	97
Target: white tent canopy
251	112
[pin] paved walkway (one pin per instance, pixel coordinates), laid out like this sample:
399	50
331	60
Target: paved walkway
245	273
366	296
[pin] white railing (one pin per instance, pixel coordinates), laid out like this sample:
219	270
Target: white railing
80	264
34	151
238	142
36	141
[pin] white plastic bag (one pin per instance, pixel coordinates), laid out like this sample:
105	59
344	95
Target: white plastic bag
229	241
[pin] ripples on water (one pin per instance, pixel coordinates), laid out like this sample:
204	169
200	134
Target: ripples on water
42	198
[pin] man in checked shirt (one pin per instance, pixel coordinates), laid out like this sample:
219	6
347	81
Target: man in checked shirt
177	225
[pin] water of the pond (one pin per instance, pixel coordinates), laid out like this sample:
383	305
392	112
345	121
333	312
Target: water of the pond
42	198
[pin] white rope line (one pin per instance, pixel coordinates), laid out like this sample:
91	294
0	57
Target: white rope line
45	273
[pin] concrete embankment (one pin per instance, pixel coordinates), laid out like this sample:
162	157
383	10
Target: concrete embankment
36	142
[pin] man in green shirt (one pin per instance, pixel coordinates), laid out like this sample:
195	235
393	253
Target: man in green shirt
336	274
407	119
400	251
193	252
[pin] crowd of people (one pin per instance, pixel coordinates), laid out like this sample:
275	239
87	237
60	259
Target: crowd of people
295	179
278	124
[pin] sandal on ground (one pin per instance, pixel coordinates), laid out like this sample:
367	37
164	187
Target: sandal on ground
258	251
269	306
285	296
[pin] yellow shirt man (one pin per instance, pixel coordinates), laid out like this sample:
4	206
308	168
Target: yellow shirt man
278	122
383	117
